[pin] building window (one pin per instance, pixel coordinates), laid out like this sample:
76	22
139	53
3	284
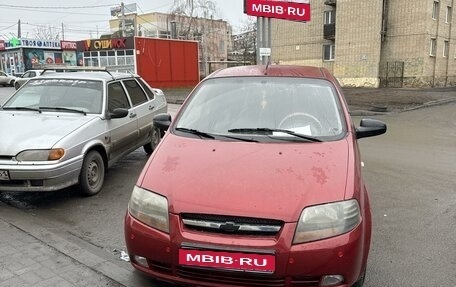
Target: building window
330	17
449	14
445	48
329	52
433	47
435	10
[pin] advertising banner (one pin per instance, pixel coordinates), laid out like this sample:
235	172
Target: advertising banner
296	10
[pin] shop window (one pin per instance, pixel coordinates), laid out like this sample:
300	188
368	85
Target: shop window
103	61
86	54
103	53
94	54
111	53
121	61
111	61
137	95
120	53
129	52
129	61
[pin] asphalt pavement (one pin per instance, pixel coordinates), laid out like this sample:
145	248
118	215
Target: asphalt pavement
34	252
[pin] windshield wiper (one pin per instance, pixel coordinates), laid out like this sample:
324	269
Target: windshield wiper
239	138
196	132
22	109
64	109
268	131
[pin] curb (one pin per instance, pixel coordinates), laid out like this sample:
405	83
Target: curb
425	105
73	247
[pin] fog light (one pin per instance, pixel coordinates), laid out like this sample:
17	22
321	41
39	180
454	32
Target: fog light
332	280
141	261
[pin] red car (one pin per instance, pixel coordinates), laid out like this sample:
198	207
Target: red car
257	182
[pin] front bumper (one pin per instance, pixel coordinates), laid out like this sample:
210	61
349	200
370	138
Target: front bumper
41	177
302	265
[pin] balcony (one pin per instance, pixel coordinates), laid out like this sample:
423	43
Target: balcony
329	31
330	2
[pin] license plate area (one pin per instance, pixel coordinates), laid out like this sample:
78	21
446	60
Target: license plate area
4	175
251	262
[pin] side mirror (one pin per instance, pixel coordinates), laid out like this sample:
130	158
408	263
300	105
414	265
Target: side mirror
118	113
370	128
162	121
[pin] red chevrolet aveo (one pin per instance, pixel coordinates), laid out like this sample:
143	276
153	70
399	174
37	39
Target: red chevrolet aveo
257	182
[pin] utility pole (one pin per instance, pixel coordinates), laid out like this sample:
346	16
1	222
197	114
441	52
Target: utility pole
19	29
63	33
122	12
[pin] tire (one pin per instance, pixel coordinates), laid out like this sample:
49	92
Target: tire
360	281
17	86
155	140
92	174
11	84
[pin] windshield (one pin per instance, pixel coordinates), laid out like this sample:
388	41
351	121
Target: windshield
265	107
59	94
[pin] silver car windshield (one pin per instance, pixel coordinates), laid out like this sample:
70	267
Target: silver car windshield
71	94
263	106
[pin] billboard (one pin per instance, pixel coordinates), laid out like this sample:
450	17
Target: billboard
296	10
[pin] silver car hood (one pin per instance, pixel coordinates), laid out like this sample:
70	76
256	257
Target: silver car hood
31	130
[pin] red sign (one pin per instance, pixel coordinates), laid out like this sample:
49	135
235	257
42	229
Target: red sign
2	45
68	45
297	10
227	260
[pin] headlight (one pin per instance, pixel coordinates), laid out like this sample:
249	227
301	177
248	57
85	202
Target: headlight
327	220
149	208
41	155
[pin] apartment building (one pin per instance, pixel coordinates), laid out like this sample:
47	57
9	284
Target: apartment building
387	43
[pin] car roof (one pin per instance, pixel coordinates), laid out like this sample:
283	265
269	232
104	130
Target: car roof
272	71
95	75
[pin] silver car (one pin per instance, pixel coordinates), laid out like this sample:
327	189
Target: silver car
6	80
25	77
62	129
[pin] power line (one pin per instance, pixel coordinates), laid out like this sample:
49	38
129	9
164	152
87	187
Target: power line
6	28
54	11
56	7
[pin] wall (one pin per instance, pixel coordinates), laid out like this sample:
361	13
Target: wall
167	63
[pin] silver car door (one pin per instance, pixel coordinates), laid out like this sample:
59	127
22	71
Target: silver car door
143	108
124	134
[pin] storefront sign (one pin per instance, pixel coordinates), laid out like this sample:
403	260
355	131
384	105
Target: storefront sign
296	10
68	45
2	45
32	43
108	44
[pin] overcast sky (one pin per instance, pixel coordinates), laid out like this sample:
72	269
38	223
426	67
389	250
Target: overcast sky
80	23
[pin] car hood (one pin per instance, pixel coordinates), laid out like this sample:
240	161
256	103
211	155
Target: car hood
264	180
31	130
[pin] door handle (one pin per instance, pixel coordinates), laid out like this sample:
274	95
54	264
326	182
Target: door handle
132	115
151	108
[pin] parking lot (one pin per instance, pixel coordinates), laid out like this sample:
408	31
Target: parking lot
409	173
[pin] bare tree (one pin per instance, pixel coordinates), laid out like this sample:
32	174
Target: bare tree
244	44
46	33
185	13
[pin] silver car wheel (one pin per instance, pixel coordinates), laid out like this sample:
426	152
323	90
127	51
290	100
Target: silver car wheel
92	173
154	141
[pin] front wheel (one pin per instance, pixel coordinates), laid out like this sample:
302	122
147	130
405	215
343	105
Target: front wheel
154	141
92	174
17	86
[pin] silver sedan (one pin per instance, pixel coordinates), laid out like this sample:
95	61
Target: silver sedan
6	80
62	129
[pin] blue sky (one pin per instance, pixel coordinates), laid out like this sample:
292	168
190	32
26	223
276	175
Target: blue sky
82	22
